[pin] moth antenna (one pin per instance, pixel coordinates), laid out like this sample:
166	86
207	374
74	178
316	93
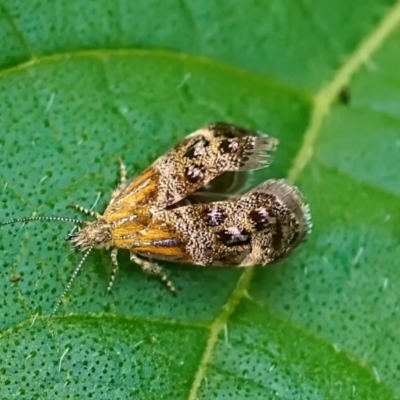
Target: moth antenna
29	219
71	280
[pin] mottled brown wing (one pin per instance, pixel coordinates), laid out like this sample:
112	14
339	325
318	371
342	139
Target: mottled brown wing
215	159
262	226
228	183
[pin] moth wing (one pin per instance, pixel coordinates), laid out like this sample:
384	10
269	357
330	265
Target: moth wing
258	228
230	183
214	159
214	163
282	203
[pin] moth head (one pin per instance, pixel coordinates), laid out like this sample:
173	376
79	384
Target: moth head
95	234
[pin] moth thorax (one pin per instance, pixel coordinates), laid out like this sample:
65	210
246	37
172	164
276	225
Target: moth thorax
95	234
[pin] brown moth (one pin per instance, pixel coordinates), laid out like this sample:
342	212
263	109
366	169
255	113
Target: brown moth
186	208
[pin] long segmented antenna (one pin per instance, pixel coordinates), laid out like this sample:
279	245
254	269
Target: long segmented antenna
71	280
54	219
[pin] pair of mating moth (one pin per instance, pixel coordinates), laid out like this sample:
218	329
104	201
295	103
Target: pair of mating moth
186	208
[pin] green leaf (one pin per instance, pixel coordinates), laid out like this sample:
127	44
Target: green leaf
84	83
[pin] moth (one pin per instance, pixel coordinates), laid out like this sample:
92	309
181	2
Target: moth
187	207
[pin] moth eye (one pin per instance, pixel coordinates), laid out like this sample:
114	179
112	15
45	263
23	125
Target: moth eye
229	146
197	149
213	216
233	236
260	217
194	173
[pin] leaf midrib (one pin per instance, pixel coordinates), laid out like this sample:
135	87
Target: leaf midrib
323	101
104	54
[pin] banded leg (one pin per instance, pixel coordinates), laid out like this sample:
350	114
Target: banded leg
114	262
122	167
122	182
152	268
84	210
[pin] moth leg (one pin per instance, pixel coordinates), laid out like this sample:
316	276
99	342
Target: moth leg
84	210
122	183
152	268
114	262
122	171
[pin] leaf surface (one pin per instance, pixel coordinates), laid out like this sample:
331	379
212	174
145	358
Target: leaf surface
84	83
